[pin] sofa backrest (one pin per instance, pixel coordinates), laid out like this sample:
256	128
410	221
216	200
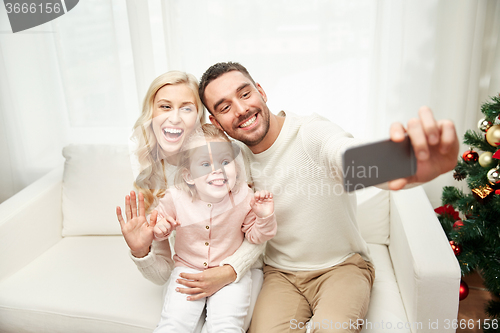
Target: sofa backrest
97	178
373	215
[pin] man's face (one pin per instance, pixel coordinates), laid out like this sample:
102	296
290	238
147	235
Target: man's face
238	107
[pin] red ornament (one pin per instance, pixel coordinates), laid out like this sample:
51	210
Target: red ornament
470	156
464	290
458	224
457	249
496	155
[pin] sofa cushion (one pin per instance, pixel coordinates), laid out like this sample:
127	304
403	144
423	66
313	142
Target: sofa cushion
96	180
89	284
386	312
82	284
373	215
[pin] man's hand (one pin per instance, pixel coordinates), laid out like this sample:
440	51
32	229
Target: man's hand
262	203
435	144
206	283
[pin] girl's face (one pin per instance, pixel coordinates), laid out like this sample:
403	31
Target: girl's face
212	170
174	116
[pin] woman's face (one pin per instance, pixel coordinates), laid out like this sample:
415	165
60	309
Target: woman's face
174	116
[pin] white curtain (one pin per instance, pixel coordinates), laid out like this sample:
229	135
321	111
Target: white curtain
362	63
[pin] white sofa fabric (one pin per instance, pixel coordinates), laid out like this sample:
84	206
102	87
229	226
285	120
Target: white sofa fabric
64	266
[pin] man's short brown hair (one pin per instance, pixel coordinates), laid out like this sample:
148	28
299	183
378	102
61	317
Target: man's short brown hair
217	70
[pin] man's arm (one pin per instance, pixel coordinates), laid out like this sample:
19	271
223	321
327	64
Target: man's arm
435	144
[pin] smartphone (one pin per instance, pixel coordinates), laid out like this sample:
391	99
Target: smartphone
378	162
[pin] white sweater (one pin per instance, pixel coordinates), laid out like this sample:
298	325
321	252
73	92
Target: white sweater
316	219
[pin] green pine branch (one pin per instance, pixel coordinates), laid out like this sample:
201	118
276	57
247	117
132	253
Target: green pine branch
491	110
479	237
476	140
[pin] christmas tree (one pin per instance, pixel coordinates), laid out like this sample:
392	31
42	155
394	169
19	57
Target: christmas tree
475	238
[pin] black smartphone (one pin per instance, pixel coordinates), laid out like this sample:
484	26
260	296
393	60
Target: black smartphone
378	162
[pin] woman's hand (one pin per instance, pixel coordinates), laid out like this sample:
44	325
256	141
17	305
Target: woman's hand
138	233
206	283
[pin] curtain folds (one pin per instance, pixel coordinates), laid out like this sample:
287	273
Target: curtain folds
361	63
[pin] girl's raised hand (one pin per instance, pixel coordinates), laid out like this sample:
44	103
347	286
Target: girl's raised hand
138	233
262	203
164	227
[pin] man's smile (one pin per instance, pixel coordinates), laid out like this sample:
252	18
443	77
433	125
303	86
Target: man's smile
250	123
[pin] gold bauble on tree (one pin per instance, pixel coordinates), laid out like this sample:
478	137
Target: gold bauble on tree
493	135
486	160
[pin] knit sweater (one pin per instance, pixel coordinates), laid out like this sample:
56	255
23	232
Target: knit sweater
316	218
210	232
159	263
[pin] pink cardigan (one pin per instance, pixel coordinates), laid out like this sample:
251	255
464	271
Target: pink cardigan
210	232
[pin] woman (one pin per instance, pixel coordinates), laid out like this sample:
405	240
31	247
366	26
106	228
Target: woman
171	110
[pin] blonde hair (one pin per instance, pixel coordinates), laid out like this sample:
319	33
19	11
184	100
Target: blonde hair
152	181
210	133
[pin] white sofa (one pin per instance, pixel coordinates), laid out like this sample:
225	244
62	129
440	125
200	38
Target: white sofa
64	266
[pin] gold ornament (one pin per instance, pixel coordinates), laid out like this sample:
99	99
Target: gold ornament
493	135
483	191
486	160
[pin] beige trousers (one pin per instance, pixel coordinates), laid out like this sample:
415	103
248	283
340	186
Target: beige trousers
331	299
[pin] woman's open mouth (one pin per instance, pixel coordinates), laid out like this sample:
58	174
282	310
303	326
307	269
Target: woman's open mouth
172	134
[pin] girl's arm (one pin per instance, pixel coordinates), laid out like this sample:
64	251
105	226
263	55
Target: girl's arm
260	223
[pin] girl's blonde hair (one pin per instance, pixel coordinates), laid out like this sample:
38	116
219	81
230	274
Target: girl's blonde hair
152	181
209	133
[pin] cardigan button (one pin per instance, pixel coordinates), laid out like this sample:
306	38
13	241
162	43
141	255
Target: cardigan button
209	205
206	243
205	264
207	227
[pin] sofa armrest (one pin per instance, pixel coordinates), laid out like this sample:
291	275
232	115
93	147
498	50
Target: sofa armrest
30	222
426	269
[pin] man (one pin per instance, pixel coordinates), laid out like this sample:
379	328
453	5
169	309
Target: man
318	266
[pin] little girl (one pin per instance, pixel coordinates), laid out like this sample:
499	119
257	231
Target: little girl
212	210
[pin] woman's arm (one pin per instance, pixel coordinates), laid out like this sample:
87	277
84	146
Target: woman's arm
154	259
157	265
244	258
231	269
